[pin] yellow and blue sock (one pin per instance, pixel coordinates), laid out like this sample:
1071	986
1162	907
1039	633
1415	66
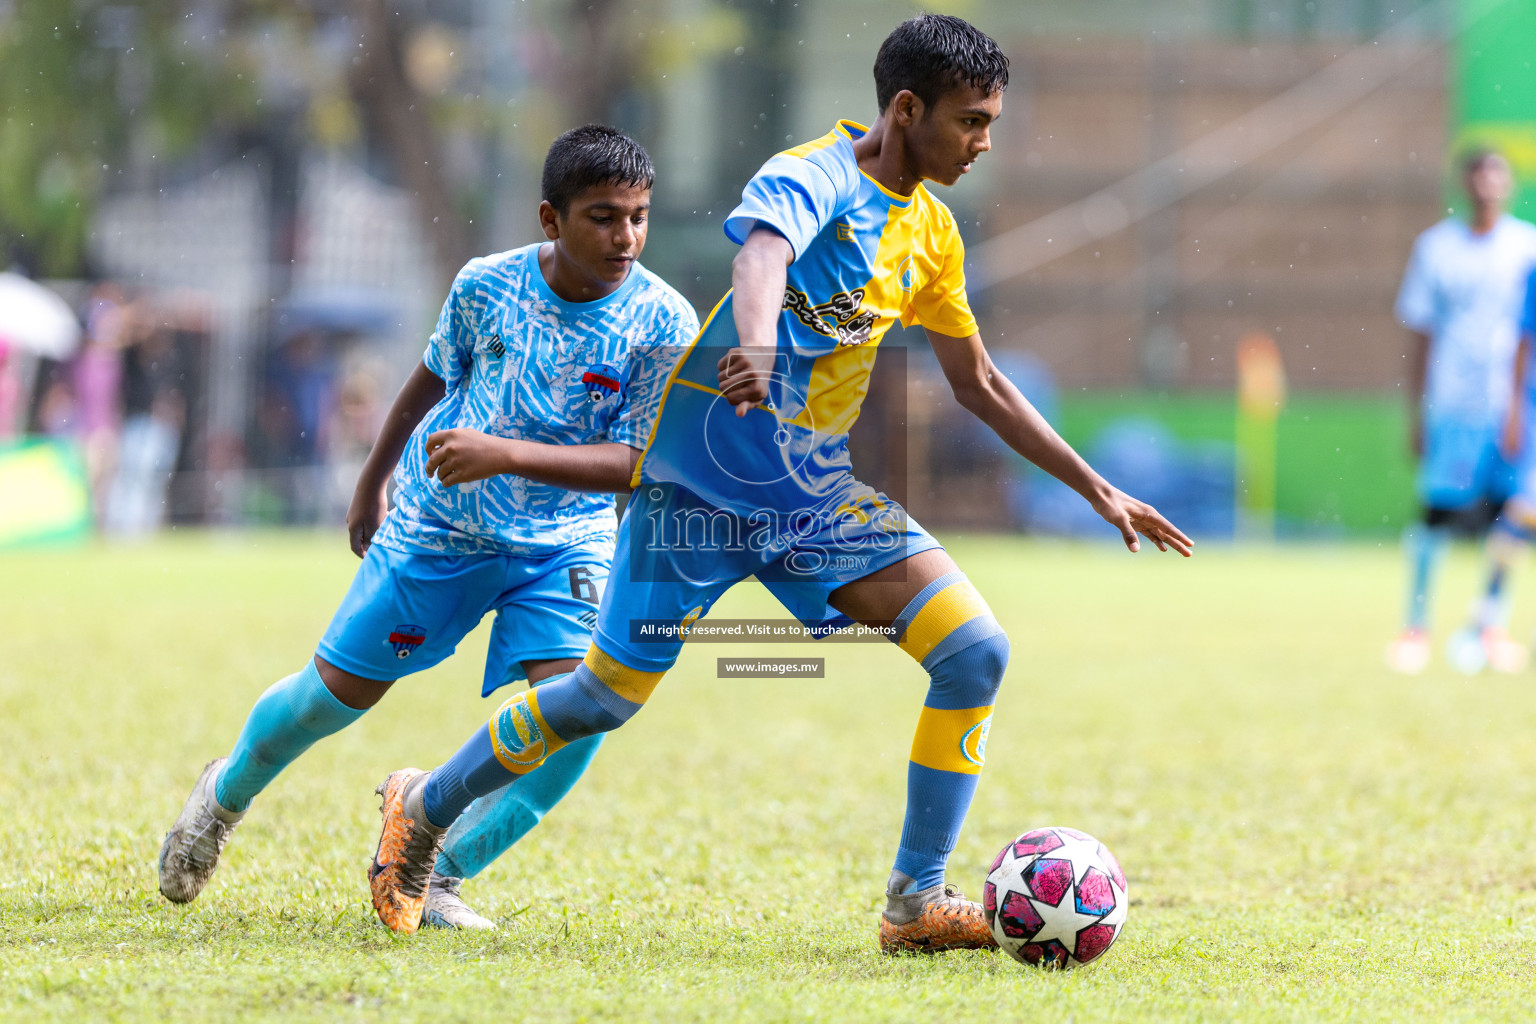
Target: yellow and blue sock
598	697
951	632
286	721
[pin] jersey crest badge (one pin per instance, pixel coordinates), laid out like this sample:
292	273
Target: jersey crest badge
601	381
406	638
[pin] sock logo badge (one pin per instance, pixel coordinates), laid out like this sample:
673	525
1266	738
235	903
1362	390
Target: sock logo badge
515	734
406	638
973	745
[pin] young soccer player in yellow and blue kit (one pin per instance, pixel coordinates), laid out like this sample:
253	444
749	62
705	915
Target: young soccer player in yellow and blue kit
544	376
747	472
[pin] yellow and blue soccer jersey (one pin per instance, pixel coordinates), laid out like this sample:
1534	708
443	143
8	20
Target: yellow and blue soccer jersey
865	257
521	362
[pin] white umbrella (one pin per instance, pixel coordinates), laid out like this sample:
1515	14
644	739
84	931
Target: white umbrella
34	318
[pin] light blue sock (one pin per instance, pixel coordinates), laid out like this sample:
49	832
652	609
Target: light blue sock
285	722
493	823
1425	545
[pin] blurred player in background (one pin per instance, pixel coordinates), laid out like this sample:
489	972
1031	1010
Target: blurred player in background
1513	531
839	239
542	376
1461	299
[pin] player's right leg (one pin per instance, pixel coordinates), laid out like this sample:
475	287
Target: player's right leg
945	626
1424	543
286	720
403	613
1448	480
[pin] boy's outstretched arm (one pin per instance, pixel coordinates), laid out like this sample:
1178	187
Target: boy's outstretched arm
984	391
463	454
370	501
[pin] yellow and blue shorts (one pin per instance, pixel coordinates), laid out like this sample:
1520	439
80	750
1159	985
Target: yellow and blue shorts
676	555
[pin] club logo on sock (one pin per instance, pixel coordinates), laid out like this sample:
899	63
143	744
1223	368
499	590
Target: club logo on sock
406	638
973	745
515	734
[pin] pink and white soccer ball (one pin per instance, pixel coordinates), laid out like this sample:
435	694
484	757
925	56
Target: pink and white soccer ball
1055	897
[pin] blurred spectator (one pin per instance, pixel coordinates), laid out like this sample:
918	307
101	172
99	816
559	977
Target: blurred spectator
355	422
10	391
294	419
98	381
154	413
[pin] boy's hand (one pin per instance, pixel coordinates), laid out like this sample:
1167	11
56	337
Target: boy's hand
1131	517
744	374
462	455
365	515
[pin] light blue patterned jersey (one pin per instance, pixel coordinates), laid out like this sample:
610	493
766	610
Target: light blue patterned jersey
1466	290
521	362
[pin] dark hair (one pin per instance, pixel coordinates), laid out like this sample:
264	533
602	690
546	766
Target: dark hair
933	53
590	156
1474	158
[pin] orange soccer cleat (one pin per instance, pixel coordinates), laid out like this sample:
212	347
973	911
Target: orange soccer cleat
933	921
408	849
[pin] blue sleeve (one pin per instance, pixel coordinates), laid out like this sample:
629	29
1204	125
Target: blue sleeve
1528	318
450	350
650	365
792	195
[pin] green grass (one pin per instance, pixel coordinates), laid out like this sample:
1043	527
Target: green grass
1306	836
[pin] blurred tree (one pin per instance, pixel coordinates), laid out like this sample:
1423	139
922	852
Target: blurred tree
398	113
89	92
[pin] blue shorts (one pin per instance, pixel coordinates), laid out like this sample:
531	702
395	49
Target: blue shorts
677	555
407	612
1462	464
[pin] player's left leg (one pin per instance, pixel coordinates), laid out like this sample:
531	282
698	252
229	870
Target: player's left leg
1486	639
1493	516
603	693
542	629
944	624
494	823
419	807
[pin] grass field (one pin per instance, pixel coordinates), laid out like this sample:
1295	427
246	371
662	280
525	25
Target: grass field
1306	836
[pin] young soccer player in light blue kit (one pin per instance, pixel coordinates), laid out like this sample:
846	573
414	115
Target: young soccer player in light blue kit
526	413
840	239
1461	299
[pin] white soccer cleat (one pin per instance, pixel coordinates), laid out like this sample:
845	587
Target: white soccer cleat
192	847
1505	654
1408	652
445	908
1465	652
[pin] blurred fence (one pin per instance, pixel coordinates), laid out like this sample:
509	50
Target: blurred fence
1166	179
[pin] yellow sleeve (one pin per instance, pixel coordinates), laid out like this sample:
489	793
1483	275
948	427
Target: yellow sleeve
939	303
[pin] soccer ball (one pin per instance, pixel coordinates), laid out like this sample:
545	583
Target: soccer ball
1055	897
